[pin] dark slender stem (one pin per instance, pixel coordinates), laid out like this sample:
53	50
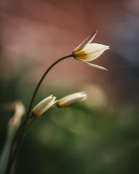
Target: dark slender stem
24	127
20	141
28	127
10	160
37	87
18	131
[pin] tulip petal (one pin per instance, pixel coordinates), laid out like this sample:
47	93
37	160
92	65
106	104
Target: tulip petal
44	105
91	52
85	42
94	66
71	99
94	47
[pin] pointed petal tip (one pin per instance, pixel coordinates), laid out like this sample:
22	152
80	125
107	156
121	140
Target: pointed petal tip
92	36
94	65
100	67
54	97
96	31
104	69
50	96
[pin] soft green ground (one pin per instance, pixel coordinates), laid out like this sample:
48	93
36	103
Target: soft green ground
77	140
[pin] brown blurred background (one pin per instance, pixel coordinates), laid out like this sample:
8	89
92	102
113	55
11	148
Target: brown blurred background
35	33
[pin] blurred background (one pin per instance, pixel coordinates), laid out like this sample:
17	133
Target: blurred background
99	135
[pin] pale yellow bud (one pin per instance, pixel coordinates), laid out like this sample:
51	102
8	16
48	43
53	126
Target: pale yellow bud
43	106
71	99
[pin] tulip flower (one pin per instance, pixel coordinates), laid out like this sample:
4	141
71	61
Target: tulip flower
88	51
71	99
43	106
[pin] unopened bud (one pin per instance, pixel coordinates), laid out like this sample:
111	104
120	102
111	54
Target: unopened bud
71	99
43	106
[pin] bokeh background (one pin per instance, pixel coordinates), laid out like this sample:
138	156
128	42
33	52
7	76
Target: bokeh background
100	135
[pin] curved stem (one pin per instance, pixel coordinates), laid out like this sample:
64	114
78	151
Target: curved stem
11	154
24	127
18	131
28	127
20	141
37	87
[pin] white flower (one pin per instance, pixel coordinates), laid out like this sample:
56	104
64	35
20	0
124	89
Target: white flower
43	106
15	120
88	51
19	112
71	99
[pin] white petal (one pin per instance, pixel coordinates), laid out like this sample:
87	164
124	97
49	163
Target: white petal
92	37
43	106
94	66
93	51
71	99
49	105
85	42
14	122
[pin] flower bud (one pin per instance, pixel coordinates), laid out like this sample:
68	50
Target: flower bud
43	106
71	99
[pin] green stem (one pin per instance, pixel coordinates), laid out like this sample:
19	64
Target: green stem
24	125
28	127
18	131
37	87
12	149
20	142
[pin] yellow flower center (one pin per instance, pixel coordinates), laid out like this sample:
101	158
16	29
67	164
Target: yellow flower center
61	102
81	55
77	49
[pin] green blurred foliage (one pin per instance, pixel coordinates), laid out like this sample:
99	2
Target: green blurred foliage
77	139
